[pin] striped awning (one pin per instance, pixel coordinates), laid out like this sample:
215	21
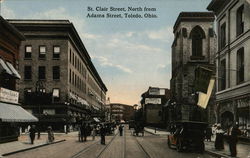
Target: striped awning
15	113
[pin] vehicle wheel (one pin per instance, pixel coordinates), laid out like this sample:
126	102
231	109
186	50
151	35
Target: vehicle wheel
179	146
169	144
202	147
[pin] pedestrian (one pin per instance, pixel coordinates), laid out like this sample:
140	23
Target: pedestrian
50	134
102	134
219	140
83	132
93	133
234	132
32	132
121	129
208	134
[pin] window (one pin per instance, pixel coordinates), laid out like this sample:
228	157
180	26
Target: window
49	111
56	95
27	73
240	65
240	20
69	75
28	51
42	90
42	52
56	72
223	35
197	35
41	73
70	54
223	74
56	52
27	90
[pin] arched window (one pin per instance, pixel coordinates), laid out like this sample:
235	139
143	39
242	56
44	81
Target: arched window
197	34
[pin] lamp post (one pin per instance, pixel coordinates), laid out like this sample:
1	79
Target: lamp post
135	108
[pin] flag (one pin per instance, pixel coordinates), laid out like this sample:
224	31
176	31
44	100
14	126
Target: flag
203	98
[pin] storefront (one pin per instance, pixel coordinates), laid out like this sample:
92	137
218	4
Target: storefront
11	118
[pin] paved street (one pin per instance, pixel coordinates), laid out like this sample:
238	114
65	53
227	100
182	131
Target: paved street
126	146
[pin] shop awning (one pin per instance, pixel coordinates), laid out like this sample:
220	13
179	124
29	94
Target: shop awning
4	67
15	113
9	69
14	71
96	119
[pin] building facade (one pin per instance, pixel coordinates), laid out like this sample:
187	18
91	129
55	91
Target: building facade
153	102
12	115
121	112
233	62
60	85
194	46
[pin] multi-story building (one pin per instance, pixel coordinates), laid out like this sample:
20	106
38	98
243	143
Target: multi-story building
194	46
153	101
233	61
60	84
12	115
120	112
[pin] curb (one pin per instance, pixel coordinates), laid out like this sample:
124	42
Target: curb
217	154
156	133
14	152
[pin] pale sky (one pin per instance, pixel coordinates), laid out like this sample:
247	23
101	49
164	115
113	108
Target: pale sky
129	54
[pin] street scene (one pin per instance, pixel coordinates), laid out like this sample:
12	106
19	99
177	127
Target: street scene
102	79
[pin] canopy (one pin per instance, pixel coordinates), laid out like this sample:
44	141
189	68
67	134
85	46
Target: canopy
15	113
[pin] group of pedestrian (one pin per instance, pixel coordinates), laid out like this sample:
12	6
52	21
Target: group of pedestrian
84	132
231	136
33	130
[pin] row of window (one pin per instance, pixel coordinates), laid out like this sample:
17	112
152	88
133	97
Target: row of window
42	52
41	72
55	93
239	70
77	63
77	81
239	26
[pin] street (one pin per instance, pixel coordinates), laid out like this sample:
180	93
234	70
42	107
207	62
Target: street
126	146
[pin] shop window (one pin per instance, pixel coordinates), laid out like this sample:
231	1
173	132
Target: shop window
42	52
56	95
27	73
223	35
49	111
56	52
240	20
56	72
28	52
240	65
41	73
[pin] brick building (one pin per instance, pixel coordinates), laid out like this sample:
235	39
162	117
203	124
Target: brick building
194	45
12	115
60	85
233	61
152	102
120	112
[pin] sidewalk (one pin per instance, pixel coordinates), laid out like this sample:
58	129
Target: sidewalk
23	143
243	149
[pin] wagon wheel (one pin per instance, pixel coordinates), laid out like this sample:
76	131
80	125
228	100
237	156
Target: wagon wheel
179	146
169	144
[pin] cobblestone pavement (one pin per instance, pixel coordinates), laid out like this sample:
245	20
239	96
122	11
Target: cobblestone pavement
126	146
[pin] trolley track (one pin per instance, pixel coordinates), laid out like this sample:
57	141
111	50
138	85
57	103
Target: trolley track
141	146
107	146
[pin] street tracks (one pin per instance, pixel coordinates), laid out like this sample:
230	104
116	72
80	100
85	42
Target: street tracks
141	147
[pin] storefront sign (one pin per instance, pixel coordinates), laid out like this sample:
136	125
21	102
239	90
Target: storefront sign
9	96
154	91
152	100
241	103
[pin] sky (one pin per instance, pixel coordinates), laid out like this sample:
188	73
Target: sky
130	54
